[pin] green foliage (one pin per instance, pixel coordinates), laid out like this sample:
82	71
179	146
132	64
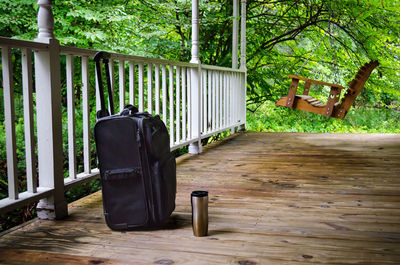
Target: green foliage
82	190
17	216
346	34
18	18
334	38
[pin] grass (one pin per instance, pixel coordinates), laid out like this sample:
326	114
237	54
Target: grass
270	118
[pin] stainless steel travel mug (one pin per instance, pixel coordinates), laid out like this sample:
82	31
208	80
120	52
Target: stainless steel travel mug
199	201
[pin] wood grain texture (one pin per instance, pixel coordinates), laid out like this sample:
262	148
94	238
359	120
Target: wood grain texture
332	108
14	256
355	87
275	198
301	104
308	80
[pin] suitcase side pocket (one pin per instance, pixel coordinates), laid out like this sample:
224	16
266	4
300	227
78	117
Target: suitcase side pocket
157	138
165	187
124	198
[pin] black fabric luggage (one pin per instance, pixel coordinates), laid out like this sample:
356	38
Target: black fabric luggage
138	172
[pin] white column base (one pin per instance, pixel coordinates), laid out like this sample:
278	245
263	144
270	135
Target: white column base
195	148
47	210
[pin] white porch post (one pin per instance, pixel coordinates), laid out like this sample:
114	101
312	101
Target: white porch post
243	84
49	123
195	148
235	31
243	36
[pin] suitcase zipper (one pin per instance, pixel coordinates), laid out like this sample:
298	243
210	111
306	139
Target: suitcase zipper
145	160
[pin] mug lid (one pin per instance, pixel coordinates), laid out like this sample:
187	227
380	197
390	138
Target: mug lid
199	193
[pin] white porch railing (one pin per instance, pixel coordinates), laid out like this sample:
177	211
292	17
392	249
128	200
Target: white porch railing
161	87
195	101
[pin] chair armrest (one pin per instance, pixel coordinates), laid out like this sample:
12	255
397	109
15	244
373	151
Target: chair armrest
315	81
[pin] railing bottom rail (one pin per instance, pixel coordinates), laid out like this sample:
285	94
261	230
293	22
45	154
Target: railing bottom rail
24	198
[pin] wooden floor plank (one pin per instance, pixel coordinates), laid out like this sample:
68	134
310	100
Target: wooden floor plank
31	257
275	198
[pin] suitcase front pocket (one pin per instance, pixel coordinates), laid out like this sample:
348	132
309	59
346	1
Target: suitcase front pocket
125	173
124	198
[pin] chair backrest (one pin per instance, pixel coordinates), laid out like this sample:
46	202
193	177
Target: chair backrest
355	87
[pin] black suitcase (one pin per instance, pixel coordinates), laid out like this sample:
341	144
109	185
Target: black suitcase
138	172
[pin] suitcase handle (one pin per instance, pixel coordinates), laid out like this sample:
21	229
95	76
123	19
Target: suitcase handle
103	112
129	110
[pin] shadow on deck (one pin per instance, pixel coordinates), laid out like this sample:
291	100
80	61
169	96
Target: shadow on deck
275	198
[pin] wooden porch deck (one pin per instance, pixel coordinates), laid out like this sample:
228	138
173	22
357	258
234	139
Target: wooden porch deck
275	198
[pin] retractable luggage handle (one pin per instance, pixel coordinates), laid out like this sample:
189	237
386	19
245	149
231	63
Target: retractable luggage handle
103	112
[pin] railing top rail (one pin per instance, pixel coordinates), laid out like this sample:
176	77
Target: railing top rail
118	56
14	43
219	68
77	51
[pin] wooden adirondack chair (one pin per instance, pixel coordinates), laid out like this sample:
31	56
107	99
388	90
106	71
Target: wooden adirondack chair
333	108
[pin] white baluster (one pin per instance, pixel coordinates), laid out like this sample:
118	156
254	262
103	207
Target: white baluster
221	101
121	77
9	120
157	88
226	102
205	113
209	89
98	102
27	84
86	114
228	98
132	83
178	105
232	107
236	96
112	81
164	93
217	101
244	92
183	103
171	104
71	116
189	105
214	100
150	88
141	96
